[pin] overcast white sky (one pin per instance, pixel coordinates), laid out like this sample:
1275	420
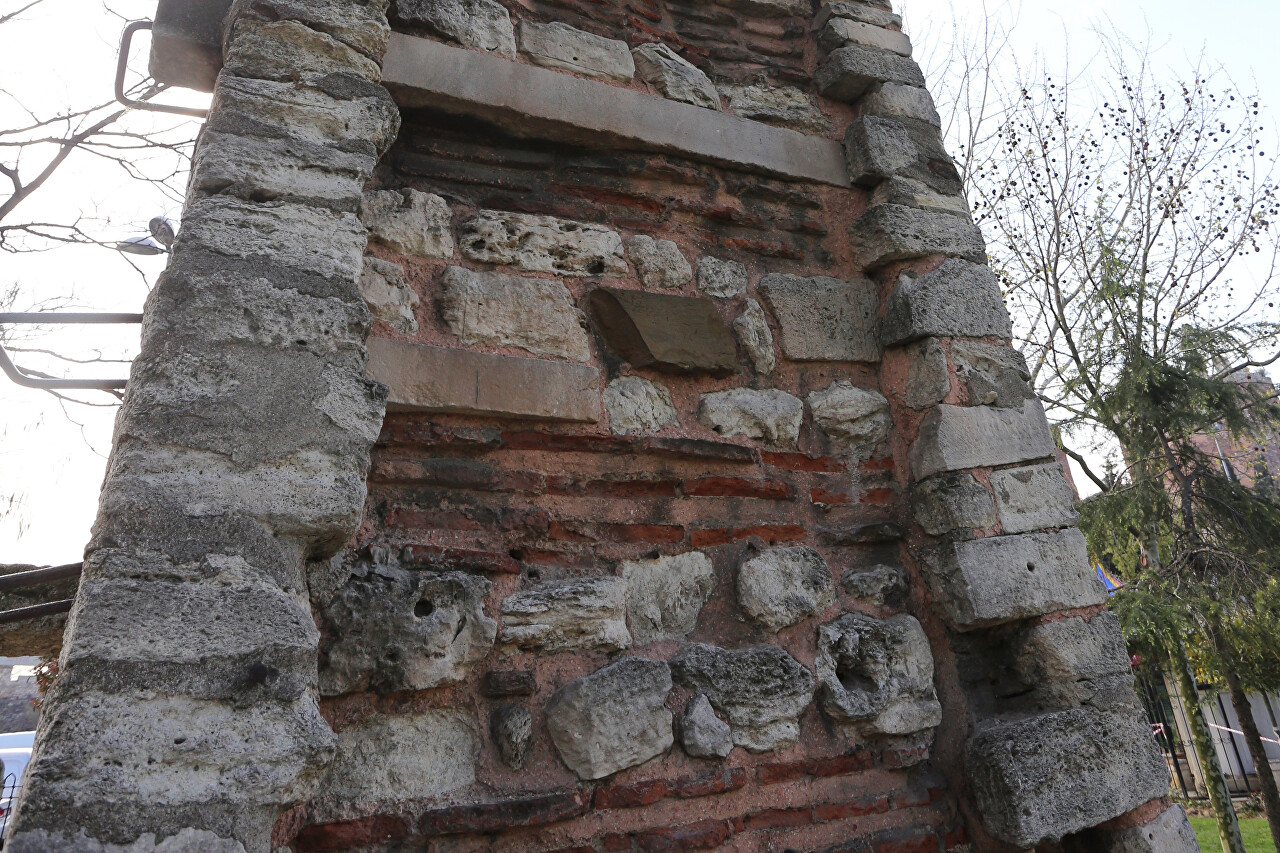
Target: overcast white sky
64	53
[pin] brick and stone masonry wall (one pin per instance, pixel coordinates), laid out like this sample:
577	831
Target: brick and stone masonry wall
711	509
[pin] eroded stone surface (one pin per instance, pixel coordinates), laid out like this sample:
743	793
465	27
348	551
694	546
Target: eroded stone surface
866	13
894	232
1033	498
185	840
1073	662
952	502
674	334
512	728
762	690
993	375
783	586
492	309
702	733
612	719
721	278
824	319
409	222
559	616
1170	832
839	32
856	417
674	77
542	244
388	296
928	380
778	105
893	100
772	416
636	405
557	45
958	299
957	437
846	74
666	594
752	329
880	584
483	24
658	263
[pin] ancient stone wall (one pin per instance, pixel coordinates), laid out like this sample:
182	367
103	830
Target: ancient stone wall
711	508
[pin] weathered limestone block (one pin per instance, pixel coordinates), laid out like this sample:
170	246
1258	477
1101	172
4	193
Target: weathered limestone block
1170	832
393	630
702	733
928	379
846	74
985	582
893	100
560	616
288	50
762	690
395	758
666	594
557	45
361	26
388	295
909	192
867	14
951	503
673	334
638	405
280	169
511	726
993	375
186	839
856	417
674	77
483	24
773	416
876	149
658	263
542	244
1042	778
953	438
824	319
612	719
721	278
445	379
958	299
1073	662
1034	498
784	106
783	586
892	232
876	676
752	329
840	32
772	7
409	222
877	585
493	309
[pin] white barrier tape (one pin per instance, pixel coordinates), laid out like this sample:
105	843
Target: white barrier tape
1234	732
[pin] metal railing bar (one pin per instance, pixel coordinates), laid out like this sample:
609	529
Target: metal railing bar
21	377
22	614
35	577
122	67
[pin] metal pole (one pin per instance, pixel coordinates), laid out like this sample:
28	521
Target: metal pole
35	577
21	614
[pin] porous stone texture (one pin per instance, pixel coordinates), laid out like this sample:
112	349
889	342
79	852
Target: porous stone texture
557	45
893	100
824	319
1043	778
952	503
993	375
185	840
752	329
389	298
783	106
876	149
876	676
856	417
761	690
878	15
636	405
878	585
410	222
542	244
392	630
482	24
957	299
953	438
560	616
673	334
772	8
674	77
613	719
846	74
772	416
985	582
1033	498
893	232
493	309
1169	832
702	733
512	728
1072	662
910	192
783	586
839	32
928	379
658	263
666	594
717	277
285	48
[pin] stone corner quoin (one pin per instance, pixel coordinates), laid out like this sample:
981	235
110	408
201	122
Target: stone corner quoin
540	425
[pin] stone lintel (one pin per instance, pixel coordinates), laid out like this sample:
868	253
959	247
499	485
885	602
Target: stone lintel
534	102
443	379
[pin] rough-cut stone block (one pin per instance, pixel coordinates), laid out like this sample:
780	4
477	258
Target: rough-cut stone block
409	222
773	416
896	101
558	45
542	244
483	24
784	106
985	582
775	8
909	192
492	309
441	379
846	74
877	149
395	630
1170	832
928	378
891	232
252	167
1073	662
783	586
557	616
958	299
1034	498
675	334
876	676
952	502
512	728
762	690
289	50
389	297
840	32
853	416
666	594
752	329
721	278
1040	779
878	585
636	405
673	76
702	733
360	26
658	263
953	438
824	319
867	14
993	375
612	719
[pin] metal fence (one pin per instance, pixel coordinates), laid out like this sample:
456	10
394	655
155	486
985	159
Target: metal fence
8	799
